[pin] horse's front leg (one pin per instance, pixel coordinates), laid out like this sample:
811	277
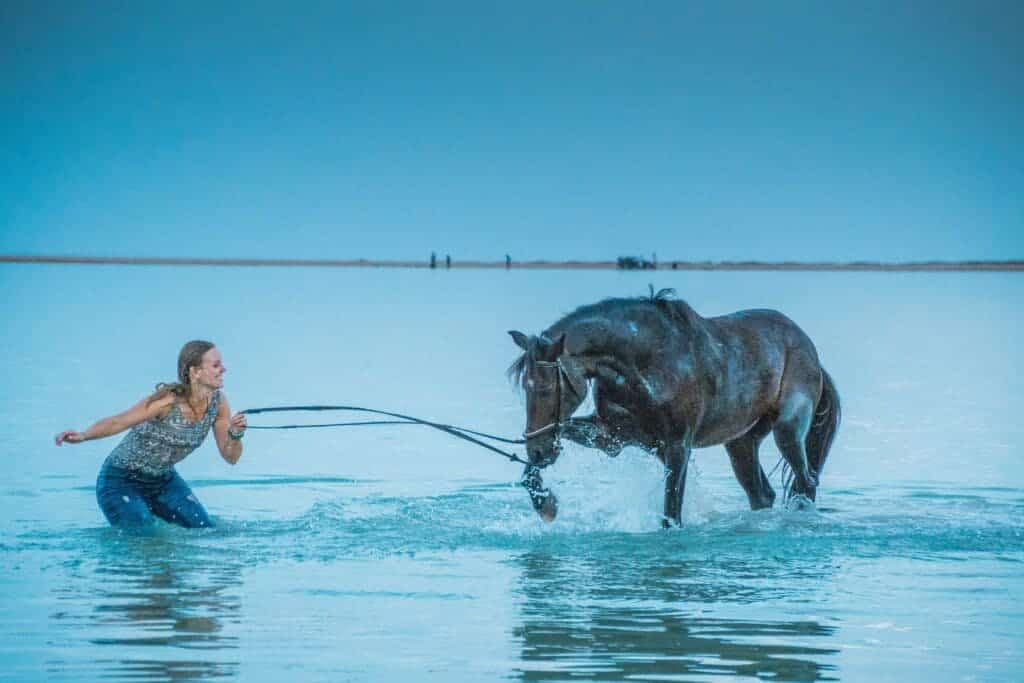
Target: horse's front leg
591	432
676	458
543	500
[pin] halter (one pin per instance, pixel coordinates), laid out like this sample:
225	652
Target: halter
563	376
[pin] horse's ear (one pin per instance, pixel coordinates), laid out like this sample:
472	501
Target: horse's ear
521	340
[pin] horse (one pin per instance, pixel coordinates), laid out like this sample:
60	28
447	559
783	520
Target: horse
667	380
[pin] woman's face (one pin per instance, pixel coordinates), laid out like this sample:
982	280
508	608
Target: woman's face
211	372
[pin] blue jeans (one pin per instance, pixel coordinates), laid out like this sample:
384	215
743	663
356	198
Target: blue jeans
131	499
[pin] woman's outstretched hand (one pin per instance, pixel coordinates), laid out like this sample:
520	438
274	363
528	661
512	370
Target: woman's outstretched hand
70	436
238	423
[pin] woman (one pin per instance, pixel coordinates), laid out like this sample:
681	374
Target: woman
138	480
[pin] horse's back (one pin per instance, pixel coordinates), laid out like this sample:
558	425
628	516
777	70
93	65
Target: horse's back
767	327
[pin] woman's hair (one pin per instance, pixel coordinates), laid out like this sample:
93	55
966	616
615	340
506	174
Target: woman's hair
191	356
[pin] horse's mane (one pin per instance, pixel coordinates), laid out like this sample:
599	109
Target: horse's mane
676	310
665	300
516	371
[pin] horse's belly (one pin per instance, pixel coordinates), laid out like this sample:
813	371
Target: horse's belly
722	433
724	421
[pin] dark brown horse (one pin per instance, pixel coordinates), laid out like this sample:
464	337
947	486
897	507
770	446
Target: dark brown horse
667	380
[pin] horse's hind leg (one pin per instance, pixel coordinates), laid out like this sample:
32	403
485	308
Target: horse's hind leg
790	432
798	396
747	467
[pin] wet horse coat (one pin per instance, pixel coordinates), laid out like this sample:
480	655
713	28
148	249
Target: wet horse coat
668	380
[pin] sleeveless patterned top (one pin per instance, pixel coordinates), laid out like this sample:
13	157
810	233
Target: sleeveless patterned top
153	447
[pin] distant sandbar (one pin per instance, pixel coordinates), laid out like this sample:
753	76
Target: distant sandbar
1013	265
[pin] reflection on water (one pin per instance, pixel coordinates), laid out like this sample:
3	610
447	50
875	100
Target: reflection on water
646	618
739	595
160	604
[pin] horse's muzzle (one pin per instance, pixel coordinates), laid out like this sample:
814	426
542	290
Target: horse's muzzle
543	459
542	456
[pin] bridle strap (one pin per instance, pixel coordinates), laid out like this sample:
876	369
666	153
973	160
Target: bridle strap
538	432
563	375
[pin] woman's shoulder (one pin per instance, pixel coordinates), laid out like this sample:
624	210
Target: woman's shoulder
160	398
159	405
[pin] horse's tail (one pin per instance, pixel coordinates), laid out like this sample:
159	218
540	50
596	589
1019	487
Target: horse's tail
827	415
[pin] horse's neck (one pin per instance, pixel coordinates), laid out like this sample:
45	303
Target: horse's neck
600	347
611	347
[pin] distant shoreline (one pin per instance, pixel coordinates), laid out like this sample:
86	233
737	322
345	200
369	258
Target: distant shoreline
942	266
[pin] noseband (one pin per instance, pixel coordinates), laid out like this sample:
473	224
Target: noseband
563	376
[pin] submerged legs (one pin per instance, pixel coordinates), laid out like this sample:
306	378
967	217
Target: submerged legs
747	467
676	458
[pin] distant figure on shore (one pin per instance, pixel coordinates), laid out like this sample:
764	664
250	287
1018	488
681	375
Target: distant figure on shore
433	260
138	481
447	261
508	261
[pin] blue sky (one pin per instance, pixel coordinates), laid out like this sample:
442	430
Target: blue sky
719	130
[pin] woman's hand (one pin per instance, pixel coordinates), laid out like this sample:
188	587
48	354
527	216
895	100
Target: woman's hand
238	424
70	436
229	430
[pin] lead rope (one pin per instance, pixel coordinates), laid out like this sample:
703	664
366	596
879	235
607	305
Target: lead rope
460	432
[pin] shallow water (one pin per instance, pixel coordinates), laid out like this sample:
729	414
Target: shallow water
390	553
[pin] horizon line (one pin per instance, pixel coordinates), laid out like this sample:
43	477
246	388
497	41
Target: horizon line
930	265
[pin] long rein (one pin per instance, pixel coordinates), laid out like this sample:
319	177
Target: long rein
460	432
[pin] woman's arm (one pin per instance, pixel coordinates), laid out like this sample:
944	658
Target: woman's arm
226	425
108	426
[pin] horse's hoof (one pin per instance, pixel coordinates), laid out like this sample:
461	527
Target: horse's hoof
548	508
799	502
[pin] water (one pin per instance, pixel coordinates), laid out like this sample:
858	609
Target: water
397	553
